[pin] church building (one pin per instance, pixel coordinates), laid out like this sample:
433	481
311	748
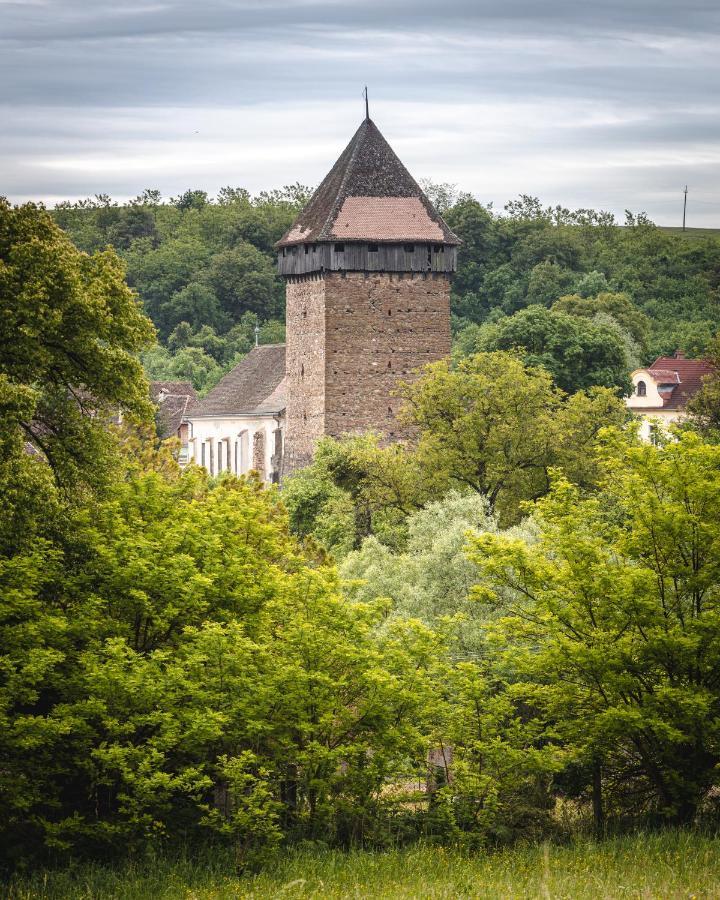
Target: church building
367	266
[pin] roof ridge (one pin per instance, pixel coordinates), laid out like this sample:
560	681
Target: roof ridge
356	140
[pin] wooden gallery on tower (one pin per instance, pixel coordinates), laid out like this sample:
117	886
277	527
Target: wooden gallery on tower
367	266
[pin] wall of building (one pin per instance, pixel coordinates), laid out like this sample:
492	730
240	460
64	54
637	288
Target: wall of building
304	367
380	328
351	337
245	443
365	257
649	423
651	416
652	398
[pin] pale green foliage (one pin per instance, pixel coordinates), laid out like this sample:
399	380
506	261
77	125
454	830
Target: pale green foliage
433	577
498	427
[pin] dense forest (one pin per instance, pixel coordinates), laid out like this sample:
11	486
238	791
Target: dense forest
586	297
507	629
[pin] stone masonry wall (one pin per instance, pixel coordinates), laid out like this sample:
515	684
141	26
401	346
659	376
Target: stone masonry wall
305	368
351	337
379	328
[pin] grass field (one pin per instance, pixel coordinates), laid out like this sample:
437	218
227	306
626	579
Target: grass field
691	233
669	865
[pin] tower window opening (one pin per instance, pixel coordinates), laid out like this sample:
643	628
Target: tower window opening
409	248
302	371
339	248
304	314
372	248
304	415
390	412
641	389
389	364
389	312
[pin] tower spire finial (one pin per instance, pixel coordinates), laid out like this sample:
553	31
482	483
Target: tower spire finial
367	104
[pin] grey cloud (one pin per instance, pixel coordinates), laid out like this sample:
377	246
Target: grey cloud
94	96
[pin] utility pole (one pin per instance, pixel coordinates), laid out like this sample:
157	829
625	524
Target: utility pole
684	206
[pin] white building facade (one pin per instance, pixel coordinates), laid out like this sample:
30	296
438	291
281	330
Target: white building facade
239	426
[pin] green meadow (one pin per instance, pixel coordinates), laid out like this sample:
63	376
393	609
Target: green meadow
671	864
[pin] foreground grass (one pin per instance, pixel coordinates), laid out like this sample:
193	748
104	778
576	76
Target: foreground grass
667	865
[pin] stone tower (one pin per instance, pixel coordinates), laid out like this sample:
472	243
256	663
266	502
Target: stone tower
367	266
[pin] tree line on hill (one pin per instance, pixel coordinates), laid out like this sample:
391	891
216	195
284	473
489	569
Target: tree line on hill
584	297
508	628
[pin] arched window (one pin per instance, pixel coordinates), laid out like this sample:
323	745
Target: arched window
641	389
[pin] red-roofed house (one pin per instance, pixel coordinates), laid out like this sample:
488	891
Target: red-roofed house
661	391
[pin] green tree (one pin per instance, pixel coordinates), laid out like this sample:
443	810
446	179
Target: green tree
619	306
578	354
172	661
70	333
611	624
497	427
186	364
244	280
365	487
704	407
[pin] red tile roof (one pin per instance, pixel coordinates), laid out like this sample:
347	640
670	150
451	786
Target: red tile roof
385	219
685	376
368	195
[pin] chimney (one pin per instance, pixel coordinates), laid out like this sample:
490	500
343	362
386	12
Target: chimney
679	354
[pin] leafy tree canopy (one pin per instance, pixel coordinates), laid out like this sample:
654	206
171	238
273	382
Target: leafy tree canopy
578	353
611	622
70	332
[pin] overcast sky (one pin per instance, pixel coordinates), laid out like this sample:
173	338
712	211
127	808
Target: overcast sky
608	104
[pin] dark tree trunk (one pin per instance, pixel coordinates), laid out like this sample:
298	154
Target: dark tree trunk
597	799
363	523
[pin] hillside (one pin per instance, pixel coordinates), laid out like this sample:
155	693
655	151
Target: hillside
691	233
205	270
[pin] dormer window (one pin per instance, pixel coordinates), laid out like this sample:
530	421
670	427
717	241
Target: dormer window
641	389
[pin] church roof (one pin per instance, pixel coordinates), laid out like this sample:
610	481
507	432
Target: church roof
255	386
368	195
175	401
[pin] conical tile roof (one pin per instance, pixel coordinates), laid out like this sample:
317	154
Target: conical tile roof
368	195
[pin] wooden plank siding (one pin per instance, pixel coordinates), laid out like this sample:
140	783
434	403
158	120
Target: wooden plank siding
301	259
